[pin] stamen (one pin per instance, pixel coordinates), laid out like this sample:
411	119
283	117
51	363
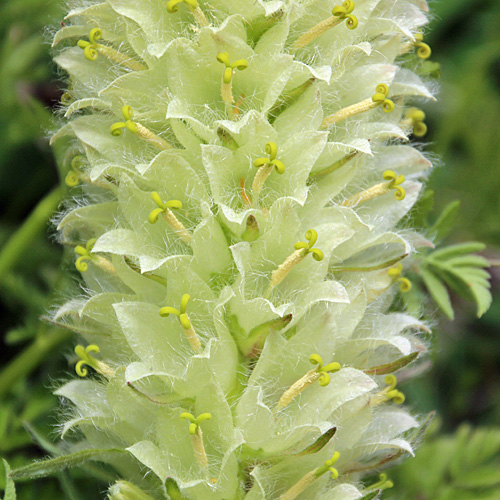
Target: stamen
394	182
265	166
395	273
244	195
302	249
423	50
414	118
339	14
87	359
168	215
92	49
318	374
377	99
191	335
383	484
144	133
197	437
390	392
310	477
227	78
86	255
172	8
74	175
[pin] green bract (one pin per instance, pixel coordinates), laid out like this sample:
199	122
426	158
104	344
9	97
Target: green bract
243	167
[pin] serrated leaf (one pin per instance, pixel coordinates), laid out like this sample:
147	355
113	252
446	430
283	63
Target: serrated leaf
438	292
392	367
10	488
54	465
446	221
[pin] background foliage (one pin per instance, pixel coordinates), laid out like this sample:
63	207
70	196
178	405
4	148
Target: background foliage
464	381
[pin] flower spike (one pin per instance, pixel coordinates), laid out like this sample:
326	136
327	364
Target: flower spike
312	476
394	183
377	99
395	273
165	209
136	128
191	335
173	7
302	249
415	118
265	166
227	77
91	50
339	14
197	437
85	254
390	392
320	374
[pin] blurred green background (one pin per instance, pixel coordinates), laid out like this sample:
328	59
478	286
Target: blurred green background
462	385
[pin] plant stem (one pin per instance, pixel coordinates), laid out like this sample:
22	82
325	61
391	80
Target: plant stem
28	359
19	242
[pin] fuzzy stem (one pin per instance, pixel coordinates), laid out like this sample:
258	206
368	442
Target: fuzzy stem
20	241
177	225
122	59
294	390
352	110
151	137
316	31
199	17
199	449
280	274
260	178
369	194
193	338
300	486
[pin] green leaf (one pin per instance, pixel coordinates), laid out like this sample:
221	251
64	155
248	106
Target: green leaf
456	250
54	465
438	292
10	488
446	221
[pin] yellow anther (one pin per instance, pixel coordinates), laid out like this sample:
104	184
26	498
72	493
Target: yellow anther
85	255
302	249
173	7
144	133
395	273
90	48
197	437
423	50
73	177
391	391
377	99
191	335
320	374
415	117
312	476
339	14
194	425
165	209
311	237
394	183
86	359
116	128
265	166
227	77
380	97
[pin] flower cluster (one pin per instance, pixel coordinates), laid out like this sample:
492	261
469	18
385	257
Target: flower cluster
242	167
